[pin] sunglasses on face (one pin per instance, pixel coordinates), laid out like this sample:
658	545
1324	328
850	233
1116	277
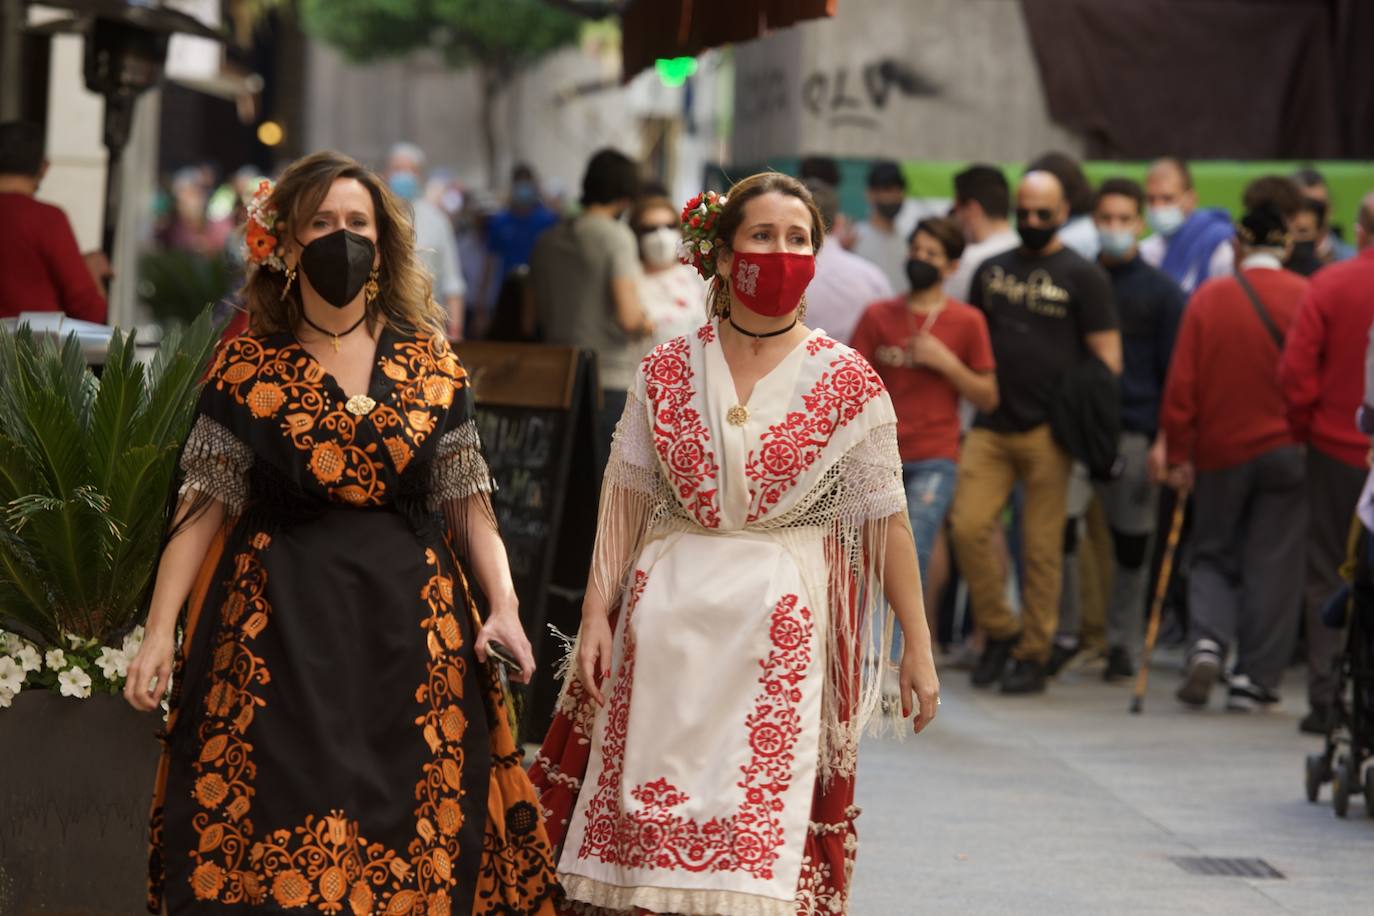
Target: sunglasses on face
1042	215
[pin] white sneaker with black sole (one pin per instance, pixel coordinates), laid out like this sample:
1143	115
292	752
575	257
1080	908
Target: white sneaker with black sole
1245	695
1204	664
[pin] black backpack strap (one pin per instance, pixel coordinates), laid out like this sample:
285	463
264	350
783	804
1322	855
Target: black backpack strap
1260	310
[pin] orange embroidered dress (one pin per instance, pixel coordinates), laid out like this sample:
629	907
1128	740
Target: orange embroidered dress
334	746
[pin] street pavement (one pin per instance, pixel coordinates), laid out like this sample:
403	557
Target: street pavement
1067	804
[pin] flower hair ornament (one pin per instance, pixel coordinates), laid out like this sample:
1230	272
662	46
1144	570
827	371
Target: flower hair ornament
260	237
699	221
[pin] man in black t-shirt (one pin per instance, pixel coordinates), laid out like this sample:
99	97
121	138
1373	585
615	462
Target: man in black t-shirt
1046	309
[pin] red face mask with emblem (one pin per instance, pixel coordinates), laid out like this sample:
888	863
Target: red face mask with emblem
771	283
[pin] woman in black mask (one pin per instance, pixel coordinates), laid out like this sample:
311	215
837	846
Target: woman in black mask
338	729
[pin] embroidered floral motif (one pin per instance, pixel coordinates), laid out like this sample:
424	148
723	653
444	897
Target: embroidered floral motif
750	839
681	437
325	862
706	333
789	448
818	343
287	384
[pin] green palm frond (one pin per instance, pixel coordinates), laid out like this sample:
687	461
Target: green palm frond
85	468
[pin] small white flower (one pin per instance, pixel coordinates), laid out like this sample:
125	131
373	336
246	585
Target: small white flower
722	200
74	641
704	246
29	658
113	663
11	674
56	659
8	643
133	641
75	683
5	699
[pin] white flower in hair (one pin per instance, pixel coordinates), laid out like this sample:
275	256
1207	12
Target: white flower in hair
722	200
75	683
704	246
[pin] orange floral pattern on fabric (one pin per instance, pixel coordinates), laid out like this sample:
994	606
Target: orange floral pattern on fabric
288	385
324	863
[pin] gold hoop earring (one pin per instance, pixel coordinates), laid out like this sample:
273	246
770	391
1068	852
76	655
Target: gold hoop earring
290	278
373	288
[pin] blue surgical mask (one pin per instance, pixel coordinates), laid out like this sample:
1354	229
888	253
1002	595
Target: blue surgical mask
404	184
524	194
1116	243
1165	220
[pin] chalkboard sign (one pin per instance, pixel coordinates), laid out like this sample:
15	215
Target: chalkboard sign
536	414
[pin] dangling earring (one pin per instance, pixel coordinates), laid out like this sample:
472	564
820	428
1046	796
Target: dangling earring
290	278
373	287
721	301
801	309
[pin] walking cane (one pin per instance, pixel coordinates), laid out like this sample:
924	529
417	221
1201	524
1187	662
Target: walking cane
1166	567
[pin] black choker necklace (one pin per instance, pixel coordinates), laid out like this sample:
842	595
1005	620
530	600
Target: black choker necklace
335	337
761	337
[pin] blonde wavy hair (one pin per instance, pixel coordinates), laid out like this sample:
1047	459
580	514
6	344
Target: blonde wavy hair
406	299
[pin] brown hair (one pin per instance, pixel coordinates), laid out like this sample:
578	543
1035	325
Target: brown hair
943	230
652	202
1122	187
732	217
406	299
1282	192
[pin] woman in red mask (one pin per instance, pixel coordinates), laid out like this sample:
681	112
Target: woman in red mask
752	515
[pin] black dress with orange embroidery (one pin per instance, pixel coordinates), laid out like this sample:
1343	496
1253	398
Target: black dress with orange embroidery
334	746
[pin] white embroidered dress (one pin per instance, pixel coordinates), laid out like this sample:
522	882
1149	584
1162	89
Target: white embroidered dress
745	546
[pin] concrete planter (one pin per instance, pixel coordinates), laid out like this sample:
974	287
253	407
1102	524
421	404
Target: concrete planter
76	780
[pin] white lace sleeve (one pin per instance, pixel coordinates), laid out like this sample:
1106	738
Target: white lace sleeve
459	470
633	464
215	462
873	477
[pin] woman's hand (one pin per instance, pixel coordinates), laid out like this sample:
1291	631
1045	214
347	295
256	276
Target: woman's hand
594	653
504	626
150	673
919	681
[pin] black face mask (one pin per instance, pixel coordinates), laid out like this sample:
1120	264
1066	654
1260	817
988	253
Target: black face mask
888	210
1304	259
338	265
921	274
1036	238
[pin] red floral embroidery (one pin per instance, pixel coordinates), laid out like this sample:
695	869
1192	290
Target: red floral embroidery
706	333
654	837
789	448
819	343
681	438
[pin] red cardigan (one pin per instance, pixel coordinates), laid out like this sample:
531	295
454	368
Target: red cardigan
1222	405
1322	370
41	268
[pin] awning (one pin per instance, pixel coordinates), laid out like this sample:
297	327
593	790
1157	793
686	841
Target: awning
652	29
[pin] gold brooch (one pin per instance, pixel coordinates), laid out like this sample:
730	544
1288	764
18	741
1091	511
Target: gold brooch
360	405
737	415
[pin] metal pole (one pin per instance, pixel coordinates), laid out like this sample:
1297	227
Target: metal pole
11	58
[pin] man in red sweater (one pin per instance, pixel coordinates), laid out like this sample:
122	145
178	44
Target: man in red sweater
41	269
1224	420
1322	374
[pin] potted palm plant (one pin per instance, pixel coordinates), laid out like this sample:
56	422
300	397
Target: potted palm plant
86	464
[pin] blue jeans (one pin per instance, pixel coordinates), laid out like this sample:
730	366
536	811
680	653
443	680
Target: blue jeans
929	493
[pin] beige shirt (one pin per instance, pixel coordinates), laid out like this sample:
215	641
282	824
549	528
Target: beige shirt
571	272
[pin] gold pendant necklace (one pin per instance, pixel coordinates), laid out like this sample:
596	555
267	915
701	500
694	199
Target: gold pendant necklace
737	415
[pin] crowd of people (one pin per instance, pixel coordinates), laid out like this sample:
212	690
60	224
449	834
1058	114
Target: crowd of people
1061	379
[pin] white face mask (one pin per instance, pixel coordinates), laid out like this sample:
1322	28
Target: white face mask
660	246
1165	220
